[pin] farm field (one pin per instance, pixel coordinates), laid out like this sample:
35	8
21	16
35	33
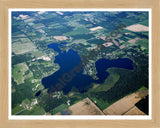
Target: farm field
24	46
96	28
137	28
85	107
134	111
19	73
60	38
125	104
133	40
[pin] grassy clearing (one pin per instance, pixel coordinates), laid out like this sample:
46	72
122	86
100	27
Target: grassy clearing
109	82
144	23
22	47
100	103
36	110
143	43
17	109
37	53
77	31
60	108
49	15
18	72
142	88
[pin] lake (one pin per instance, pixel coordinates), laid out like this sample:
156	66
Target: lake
64	79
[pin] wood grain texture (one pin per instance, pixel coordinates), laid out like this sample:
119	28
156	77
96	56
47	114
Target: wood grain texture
6	4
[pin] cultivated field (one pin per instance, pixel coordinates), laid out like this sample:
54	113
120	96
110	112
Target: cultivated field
121	47
59	13
137	28
96	28
85	107
125	104
25	45
134	40
103	37
60	38
135	111
116	43
19	36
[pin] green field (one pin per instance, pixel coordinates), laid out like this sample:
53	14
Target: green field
18	73
108	83
22	47
37	110
17	109
77	31
143	43
60	108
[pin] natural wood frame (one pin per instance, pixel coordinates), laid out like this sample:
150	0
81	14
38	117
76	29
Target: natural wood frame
6	4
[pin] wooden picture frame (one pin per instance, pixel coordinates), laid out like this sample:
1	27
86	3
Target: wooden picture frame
4	63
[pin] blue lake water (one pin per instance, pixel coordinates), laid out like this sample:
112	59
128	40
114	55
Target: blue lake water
103	64
66	78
